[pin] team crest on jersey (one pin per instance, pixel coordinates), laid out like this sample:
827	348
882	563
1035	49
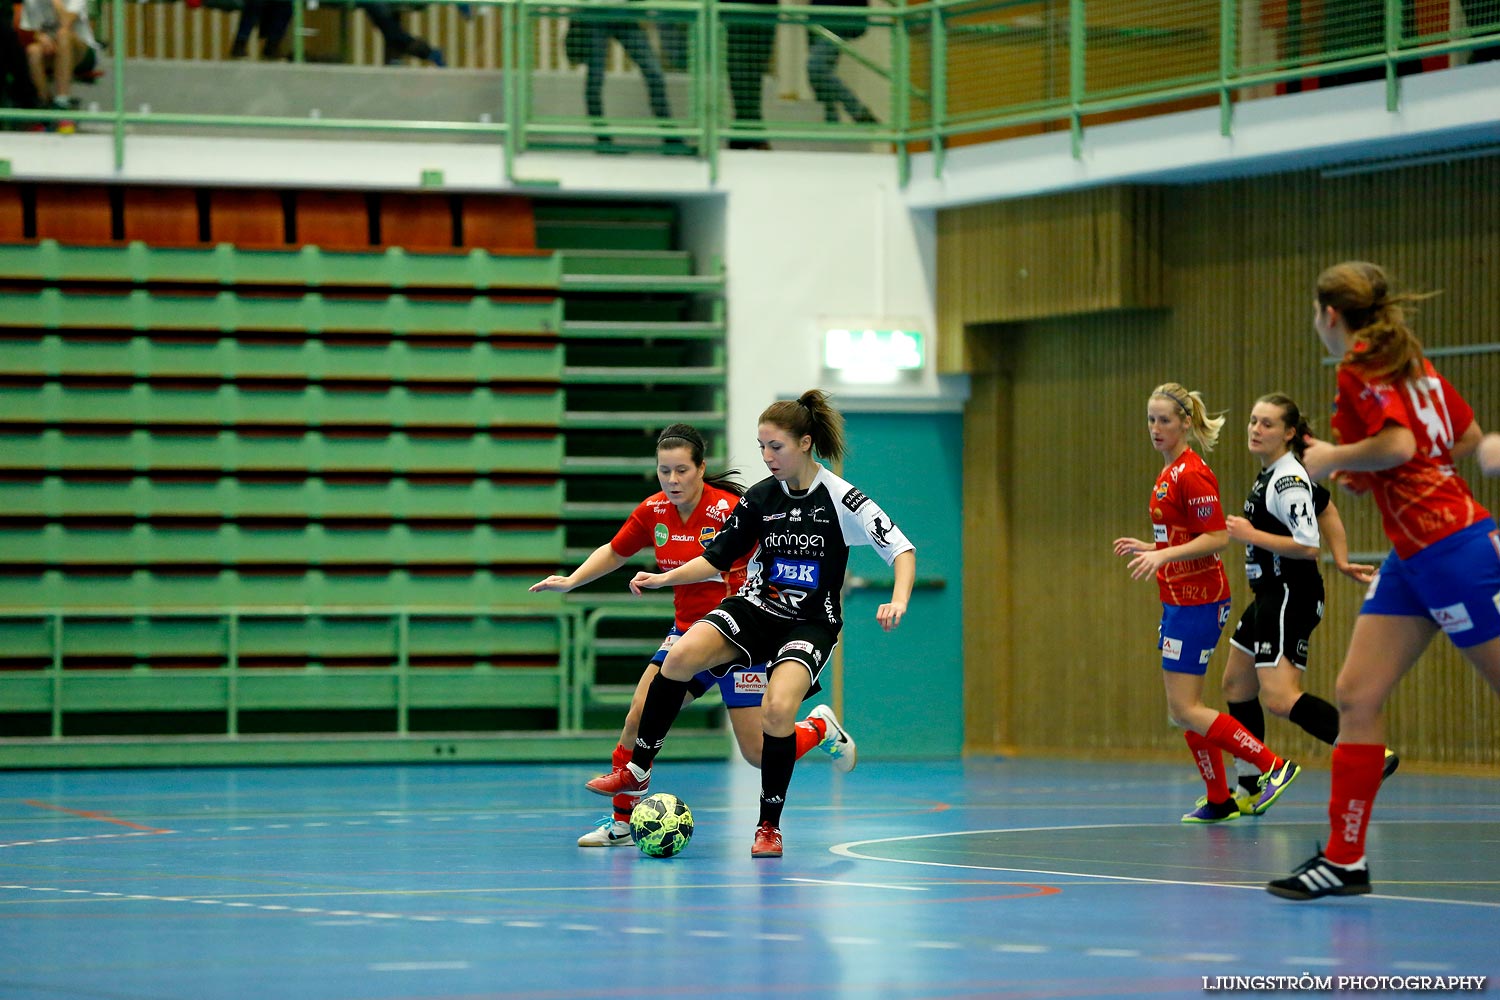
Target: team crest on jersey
662	534
1161	491
706	534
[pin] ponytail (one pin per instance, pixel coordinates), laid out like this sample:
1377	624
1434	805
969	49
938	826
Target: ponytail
1201	425
810	414
1359	290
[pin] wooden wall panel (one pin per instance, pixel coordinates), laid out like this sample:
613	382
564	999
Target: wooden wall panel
1239	262
1080	252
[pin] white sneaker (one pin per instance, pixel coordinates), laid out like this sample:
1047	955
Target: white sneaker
609	833
838	744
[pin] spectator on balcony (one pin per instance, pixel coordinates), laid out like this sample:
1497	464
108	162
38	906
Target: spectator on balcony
637	45
16	88
62	46
399	43
822	62
1483	16
272	17
749	44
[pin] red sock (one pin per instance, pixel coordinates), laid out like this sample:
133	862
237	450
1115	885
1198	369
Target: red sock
1356	779
1231	737
1210	765
809	733
623	804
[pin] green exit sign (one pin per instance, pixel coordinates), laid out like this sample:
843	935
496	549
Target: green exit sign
869	355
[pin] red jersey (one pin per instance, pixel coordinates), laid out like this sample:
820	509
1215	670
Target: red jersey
1423	500
1184	505
655	522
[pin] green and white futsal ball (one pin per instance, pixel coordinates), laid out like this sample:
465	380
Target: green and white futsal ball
662	825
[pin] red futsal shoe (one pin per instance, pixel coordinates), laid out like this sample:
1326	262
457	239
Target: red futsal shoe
628	780
767	842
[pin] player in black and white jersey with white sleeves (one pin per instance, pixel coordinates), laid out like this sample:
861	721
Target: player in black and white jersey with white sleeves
804	519
1287	515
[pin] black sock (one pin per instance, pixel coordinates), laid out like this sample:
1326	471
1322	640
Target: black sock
663	702
778	756
1317	717
1250	715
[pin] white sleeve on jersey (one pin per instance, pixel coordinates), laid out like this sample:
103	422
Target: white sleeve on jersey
1289	499
864	523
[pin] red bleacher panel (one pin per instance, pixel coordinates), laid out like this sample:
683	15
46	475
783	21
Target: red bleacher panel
499	222
246	218
416	221
73	213
333	220
12	219
166	217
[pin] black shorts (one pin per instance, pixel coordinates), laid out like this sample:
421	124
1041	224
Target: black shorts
762	637
1279	622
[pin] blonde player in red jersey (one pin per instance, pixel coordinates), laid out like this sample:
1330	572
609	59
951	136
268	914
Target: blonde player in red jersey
1187	521
678	523
1399	425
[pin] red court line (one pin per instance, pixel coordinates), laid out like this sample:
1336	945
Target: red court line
88	814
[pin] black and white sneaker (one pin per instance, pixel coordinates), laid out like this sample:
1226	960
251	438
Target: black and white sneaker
1318	877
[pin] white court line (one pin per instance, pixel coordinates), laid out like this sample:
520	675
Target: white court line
847	850
861	885
416	966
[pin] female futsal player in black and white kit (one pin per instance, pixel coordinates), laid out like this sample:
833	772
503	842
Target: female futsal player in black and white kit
1286	515
805	519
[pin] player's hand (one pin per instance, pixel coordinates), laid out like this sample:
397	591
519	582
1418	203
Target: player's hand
1147	563
1318	458
1239	528
1358	572
559	583
1488	454
1126	546
644	581
890	615
1358	483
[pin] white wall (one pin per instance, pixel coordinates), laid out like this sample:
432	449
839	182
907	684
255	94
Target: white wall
814	240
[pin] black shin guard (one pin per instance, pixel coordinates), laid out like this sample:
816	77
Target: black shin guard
778	756
663	701
1316	717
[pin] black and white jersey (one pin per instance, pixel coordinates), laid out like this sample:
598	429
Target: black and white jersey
804	544
1284	501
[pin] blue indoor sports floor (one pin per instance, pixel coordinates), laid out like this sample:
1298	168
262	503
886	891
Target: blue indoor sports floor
989	878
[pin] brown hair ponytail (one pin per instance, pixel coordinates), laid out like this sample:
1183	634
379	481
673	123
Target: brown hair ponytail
1361	293
810	414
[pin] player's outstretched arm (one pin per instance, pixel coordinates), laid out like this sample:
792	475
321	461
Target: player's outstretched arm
693	571
602	560
1331	526
890	615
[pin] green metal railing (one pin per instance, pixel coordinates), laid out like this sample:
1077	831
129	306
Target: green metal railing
189	685
934	72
